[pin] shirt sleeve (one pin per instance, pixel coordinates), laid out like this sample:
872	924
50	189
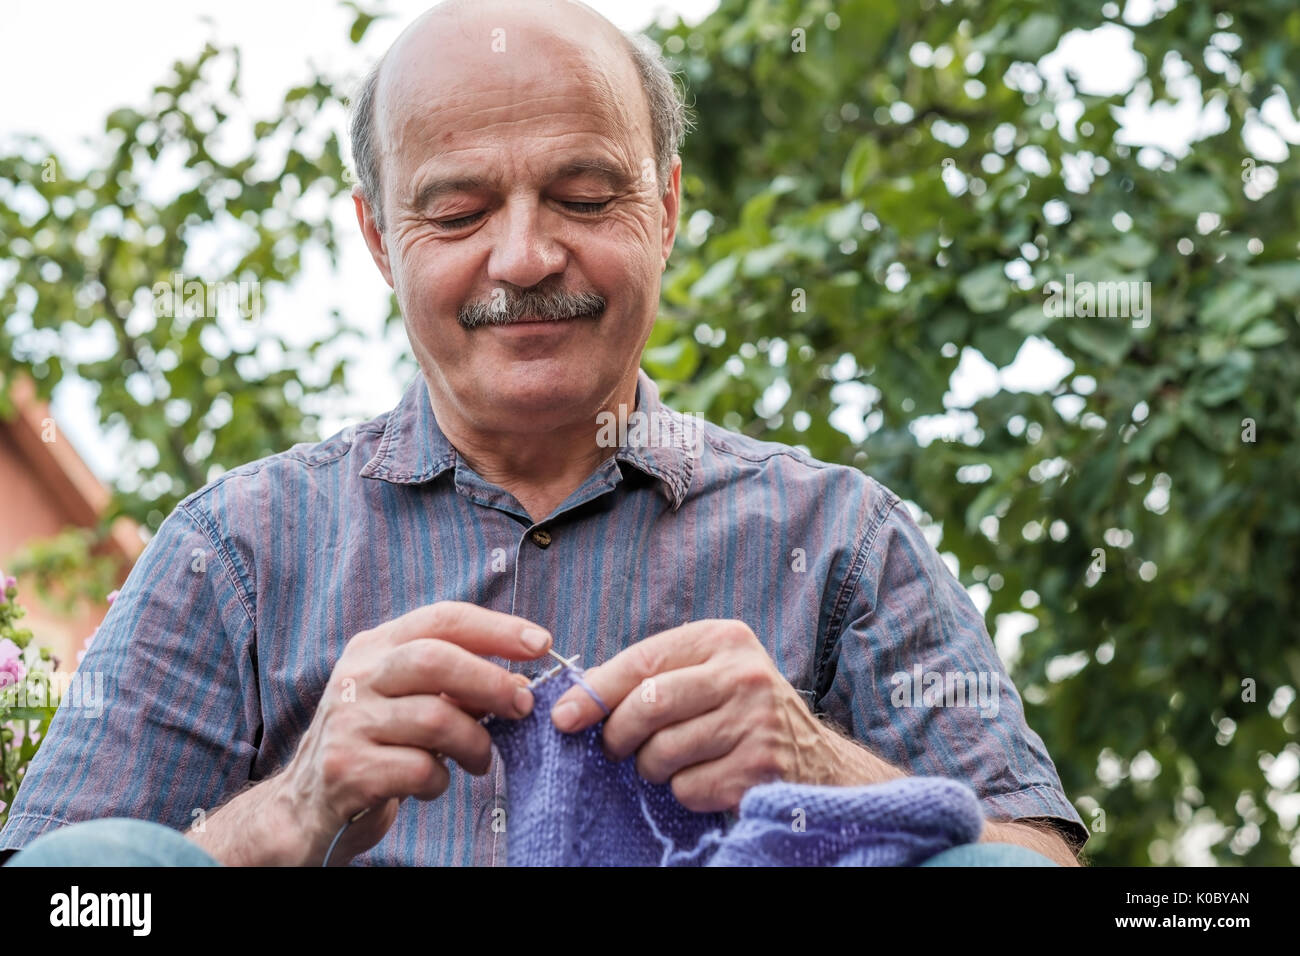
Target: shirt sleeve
162	715
915	677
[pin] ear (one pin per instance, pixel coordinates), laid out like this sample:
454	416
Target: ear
672	206
375	240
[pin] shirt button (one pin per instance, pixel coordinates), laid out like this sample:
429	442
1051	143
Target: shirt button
541	538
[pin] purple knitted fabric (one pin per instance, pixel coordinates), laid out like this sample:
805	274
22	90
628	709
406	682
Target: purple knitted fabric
900	823
570	806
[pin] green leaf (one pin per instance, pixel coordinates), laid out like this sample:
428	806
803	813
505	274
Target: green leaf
845	221
1227	381
675	361
762	261
1282	277
755	213
1031	319
1261	335
1199	194
719	277
862	164
1100	338
984	289
1131	252
1036	35
1233	305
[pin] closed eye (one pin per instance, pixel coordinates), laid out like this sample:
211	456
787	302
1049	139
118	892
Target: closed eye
586	208
459	223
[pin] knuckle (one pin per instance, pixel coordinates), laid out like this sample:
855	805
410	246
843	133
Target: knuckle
734	634
503	686
428	656
336	764
480	750
432	717
643	659
649	765
751	675
446	615
434	782
340	723
694	792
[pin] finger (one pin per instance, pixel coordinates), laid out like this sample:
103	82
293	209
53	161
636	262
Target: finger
431	723
708	737
659	702
406	772
692	643
715	786
475	712
426	666
489	633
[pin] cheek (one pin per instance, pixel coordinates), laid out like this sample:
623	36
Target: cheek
431	283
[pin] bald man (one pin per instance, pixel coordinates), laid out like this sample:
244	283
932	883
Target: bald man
364	601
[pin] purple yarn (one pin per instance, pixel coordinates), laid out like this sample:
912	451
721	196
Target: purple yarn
570	806
900	823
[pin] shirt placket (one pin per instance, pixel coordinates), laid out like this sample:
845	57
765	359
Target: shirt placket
539	552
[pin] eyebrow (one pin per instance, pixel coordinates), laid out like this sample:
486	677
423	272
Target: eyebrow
614	176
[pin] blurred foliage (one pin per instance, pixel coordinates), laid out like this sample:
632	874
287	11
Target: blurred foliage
873	190
68	569
898	174
140	294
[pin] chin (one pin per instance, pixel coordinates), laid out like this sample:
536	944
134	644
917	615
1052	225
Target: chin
538	391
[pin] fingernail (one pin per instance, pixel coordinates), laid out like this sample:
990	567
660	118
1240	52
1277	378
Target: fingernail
565	715
523	701
536	640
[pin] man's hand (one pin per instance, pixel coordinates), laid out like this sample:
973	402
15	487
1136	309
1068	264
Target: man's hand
402	697
703	706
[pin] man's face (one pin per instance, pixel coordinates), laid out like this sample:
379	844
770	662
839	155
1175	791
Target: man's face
519	178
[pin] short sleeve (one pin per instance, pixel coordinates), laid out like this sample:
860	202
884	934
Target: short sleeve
161	717
915	677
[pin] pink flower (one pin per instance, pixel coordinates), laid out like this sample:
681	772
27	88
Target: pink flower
11	663
112	596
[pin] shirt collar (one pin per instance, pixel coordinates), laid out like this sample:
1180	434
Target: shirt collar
660	442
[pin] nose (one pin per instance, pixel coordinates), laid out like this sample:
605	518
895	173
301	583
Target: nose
524	250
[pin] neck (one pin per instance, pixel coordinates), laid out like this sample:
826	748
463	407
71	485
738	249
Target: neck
541	467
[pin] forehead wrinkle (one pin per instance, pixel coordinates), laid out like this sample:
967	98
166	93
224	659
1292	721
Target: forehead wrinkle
608	172
421	133
416	104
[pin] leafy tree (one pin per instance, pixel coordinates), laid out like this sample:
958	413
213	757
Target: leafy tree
874	187
112	281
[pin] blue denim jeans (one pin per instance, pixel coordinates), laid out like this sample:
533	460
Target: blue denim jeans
113	841
118	841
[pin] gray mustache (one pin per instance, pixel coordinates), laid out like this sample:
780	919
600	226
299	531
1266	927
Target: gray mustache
551	306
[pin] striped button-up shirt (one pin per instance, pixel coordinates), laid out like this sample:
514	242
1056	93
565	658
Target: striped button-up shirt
219	646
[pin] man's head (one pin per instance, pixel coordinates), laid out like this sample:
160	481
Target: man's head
518	161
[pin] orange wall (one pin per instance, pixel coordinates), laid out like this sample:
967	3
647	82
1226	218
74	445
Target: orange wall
30	508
